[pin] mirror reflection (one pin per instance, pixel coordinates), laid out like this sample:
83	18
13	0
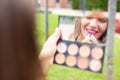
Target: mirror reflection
89	29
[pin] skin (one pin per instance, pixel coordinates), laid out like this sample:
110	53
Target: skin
92	29
47	53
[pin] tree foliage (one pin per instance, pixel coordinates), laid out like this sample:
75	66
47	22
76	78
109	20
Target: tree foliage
94	4
118	5
75	4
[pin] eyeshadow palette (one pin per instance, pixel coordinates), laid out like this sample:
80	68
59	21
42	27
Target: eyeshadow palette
80	55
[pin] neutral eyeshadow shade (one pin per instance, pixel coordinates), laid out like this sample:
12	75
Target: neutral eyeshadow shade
60	58
72	49
84	51
95	65
71	60
61	47
97	53
83	63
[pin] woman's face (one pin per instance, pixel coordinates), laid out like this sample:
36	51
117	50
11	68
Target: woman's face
93	26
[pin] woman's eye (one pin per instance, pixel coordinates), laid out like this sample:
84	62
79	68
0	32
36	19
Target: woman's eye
102	20
89	17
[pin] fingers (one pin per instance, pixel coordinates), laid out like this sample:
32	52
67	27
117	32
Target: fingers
57	34
54	37
49	47
87	39
90	39
47	53
94	40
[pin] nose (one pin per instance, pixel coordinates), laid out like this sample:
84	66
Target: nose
93	23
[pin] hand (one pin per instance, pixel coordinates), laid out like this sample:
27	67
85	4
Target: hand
90	39
47	53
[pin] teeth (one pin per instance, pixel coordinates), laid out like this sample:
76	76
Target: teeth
91	31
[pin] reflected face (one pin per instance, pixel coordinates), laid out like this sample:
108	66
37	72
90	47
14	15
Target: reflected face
93	26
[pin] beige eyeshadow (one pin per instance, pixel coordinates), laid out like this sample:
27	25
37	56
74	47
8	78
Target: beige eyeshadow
72	49
60	58
61	47
71	60
95	65
83	63
97	53
84	51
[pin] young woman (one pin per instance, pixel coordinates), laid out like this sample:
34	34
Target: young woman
91	29
19	59
47	53
88	29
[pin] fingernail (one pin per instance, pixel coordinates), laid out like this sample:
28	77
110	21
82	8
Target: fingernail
89	35
92	35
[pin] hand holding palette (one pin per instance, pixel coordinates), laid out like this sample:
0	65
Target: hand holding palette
80	55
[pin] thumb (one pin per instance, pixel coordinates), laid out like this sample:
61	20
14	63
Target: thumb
55	36
94	39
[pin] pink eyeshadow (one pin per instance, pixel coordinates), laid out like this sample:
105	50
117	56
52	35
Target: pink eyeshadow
60	58
72	49
97	53
95	65
71	60
84	51
61	47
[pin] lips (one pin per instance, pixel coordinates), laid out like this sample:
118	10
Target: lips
91	31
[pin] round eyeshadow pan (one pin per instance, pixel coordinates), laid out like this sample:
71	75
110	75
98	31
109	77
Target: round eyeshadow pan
60	58
83	63
97	53
95	65
71	60
84	51
72	49
61	47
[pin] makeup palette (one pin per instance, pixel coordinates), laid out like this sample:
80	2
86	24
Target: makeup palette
83	56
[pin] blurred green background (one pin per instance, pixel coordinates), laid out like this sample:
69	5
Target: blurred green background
94	4
58	72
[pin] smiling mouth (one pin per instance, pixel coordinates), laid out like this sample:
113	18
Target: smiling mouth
91	31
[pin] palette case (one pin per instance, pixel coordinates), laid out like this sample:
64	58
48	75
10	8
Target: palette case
79	55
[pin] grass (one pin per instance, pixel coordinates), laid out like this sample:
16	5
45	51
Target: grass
40	27
58	72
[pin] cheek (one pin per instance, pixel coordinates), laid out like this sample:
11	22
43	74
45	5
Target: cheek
84	22
103	28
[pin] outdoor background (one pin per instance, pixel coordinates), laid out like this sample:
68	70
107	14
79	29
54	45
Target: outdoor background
58	72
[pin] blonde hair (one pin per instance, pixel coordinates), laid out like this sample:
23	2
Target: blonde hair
77	29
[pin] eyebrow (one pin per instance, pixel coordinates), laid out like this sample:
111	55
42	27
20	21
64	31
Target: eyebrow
97	18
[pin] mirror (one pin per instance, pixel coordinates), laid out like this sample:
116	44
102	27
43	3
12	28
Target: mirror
79	28
71	52
66	24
